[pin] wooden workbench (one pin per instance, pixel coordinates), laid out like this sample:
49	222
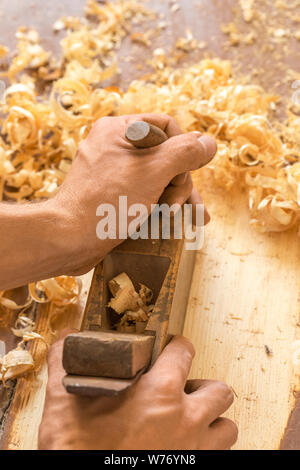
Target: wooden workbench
246	285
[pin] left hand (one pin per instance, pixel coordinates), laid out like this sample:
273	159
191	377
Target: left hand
161	411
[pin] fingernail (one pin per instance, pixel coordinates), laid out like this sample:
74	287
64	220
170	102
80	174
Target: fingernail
197	132
209	145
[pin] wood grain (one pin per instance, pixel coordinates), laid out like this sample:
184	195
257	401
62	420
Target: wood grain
245	295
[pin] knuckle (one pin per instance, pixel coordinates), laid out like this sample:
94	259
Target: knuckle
166	384
166	117
188	353
81	147
189	185
101	123
187	345
103	120
233	431
170	119
224	391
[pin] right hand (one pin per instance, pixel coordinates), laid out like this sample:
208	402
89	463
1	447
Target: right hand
163	411
108	166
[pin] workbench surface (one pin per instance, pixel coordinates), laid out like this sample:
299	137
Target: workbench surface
245	290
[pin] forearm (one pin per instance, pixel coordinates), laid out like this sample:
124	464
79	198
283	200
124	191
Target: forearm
33	243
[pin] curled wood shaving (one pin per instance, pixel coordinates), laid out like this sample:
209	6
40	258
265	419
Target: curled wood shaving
248	9
134	307
119	282
23	325
63	290
11	304
16	363
145	294
124	300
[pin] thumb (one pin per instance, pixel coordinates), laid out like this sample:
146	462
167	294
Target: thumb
185	152
174	363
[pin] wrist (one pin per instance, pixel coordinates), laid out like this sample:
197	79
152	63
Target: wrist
33	238
78	221
64	233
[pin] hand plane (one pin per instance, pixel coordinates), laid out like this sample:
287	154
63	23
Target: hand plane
102	361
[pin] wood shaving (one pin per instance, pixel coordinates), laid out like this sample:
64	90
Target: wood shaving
187	43
236	37
16	363
3	51
142	38
19	362
134	307
248	9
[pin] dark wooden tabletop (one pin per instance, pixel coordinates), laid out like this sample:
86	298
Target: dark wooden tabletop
270	57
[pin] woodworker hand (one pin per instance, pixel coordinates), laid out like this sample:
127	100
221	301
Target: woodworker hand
162	411
108	166
58	236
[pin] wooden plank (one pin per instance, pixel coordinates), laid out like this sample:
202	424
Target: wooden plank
245	295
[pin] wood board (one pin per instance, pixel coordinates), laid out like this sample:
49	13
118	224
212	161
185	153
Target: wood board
245	295
250	276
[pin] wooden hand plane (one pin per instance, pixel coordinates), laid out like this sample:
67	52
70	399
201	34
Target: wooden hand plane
102	361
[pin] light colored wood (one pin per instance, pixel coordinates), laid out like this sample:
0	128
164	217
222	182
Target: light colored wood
244	295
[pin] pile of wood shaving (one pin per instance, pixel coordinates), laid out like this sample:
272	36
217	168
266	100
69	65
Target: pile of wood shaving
40	134
134	307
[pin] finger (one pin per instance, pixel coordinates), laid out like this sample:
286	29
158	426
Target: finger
212	399
184	153
186	193
177	194
55	368
224	434
180	179
173	365
195	199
